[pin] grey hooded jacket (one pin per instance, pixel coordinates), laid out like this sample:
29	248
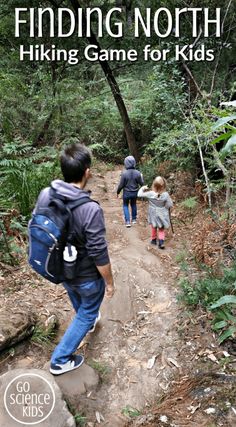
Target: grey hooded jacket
158	210
89	227
131	179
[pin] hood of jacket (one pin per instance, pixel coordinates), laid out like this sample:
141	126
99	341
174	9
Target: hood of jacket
130	162
67	190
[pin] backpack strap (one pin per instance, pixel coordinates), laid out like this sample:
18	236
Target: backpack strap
62	201
66	207
75	204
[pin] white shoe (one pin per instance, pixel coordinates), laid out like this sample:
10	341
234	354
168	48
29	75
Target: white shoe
92	329
74	363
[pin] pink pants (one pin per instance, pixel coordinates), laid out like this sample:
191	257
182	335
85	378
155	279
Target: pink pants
161	233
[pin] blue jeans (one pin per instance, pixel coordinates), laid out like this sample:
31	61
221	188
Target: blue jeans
130	198
86	299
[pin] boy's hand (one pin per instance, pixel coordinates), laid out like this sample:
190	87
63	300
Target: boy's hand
110	290
106	273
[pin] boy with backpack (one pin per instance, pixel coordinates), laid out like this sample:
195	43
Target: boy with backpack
130	181
78	254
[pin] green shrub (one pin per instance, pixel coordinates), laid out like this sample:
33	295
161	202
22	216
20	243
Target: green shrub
225	320
107	152
177	146
22	183
149	171
208	290
217	294
24	173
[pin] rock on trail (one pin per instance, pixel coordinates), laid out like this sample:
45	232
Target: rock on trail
22	392
16	324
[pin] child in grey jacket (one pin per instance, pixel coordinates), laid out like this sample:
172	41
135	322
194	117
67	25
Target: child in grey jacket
158	210
130	181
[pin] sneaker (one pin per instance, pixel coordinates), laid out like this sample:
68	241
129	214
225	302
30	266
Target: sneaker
153	242
128	224
74	363
92	329
134	221
161	244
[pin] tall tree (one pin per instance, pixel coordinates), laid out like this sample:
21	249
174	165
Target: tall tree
114	87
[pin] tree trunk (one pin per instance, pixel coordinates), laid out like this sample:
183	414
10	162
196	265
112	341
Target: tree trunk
114	88
40	139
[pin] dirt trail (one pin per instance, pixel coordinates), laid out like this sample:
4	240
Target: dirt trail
139	322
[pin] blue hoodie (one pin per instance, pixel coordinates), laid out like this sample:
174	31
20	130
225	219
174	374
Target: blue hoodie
131	179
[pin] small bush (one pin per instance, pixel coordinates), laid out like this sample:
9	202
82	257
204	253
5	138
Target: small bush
208	290
24	177
43	336
215	294
107	152
149	171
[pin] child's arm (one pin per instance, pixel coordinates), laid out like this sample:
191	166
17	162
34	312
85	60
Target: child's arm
146	192
141	180
142	191
121	184
169	202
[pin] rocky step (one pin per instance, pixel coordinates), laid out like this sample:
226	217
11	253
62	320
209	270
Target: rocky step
34	396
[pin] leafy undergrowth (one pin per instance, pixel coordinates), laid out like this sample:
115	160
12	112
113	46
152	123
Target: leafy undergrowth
215	293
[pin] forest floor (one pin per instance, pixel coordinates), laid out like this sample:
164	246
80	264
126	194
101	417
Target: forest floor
159	364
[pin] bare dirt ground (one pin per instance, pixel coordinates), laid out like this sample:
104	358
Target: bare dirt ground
137	338
153	357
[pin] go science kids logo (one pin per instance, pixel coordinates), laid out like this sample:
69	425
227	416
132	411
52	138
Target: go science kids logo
29	399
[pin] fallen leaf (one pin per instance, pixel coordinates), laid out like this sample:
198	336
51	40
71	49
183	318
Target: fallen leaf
226	354
98	418
151	362
212	358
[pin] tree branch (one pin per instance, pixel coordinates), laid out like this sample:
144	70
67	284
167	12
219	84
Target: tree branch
193	79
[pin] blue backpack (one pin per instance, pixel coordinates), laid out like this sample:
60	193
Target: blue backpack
50	230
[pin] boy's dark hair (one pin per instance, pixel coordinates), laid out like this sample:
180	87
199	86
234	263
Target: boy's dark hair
75	159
